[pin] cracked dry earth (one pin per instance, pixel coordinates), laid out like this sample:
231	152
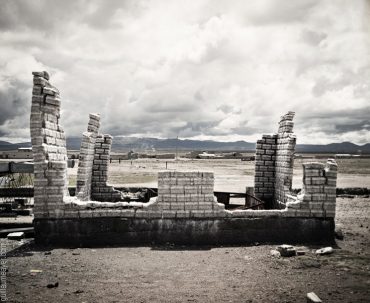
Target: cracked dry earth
202	274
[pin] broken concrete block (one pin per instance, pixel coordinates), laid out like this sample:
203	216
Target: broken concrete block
275	253
286	250
325	251
16	236
313	298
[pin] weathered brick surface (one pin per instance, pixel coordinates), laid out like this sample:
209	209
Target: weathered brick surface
100	190
49	148
318	198
285	146
186	194
264	178
274	174
274	164
86	158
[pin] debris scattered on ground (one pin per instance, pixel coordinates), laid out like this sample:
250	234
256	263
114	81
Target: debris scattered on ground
325	251
275	253
34	272
16	236
313	298
52	285
286	250
309	263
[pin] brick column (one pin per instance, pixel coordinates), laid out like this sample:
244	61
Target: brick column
100	191
274	164
318	195
49	148
86	158
286	142
264	178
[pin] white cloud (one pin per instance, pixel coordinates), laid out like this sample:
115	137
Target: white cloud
204	69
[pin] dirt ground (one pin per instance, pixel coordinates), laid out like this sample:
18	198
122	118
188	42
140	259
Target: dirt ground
199	274
195	274
230	175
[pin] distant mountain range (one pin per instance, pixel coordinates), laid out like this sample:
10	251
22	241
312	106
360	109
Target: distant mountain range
145	144
12	146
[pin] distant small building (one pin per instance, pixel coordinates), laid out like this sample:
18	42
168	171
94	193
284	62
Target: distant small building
20	153
123	156
165	156
346	156
206	155
193	154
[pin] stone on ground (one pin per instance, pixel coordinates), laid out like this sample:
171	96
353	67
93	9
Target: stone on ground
16	236
286	250
313	298
325	251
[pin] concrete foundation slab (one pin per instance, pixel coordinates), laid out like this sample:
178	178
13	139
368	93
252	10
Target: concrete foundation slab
227	231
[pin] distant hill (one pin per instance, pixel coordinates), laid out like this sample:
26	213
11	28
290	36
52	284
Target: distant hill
142	144
11	146
132	143
344	147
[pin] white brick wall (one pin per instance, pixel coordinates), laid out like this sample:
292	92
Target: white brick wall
189	194
48	146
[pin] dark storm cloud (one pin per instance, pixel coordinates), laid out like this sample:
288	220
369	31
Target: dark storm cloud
197	127
42	15
48	15
347	77
225	108
14	100
245	130
344	128
359	114
275	12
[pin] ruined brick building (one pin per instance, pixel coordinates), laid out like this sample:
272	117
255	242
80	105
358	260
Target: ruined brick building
186	210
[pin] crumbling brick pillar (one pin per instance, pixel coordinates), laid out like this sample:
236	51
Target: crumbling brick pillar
86	158
274	164
286	142
318	195
49	148
100	191
319	187
264	178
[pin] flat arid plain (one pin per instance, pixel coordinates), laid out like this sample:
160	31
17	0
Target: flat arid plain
201	274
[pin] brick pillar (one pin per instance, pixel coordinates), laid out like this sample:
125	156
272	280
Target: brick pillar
330	188
86	158
48	147
319	189
264	178
100	191
285	142
274	164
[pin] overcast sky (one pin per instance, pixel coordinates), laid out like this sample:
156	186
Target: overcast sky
201	69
